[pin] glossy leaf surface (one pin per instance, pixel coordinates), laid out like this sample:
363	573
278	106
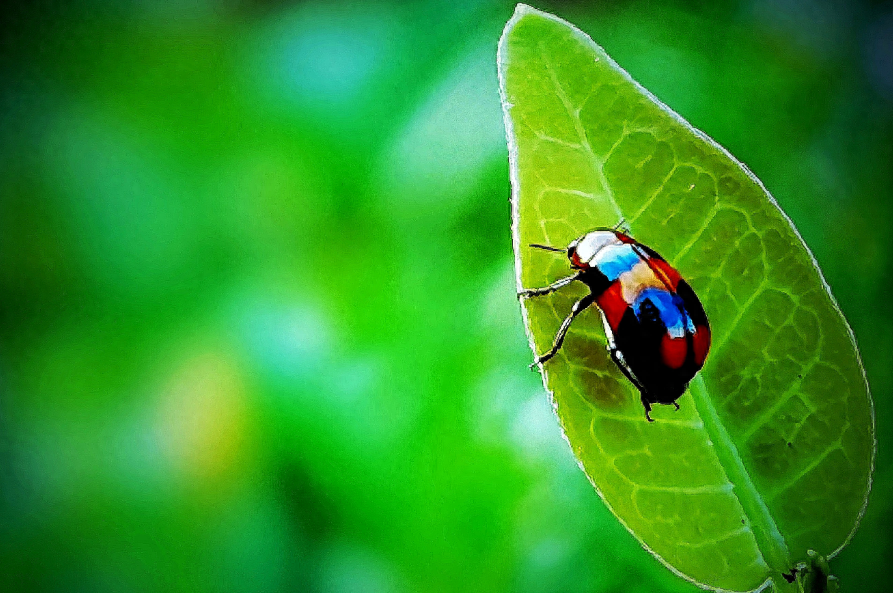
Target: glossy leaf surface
771	452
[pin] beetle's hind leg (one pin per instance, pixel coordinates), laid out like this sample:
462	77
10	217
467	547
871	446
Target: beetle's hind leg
533	292
647	405
578	307
618	359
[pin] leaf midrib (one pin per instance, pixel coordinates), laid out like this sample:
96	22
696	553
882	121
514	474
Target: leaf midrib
766	533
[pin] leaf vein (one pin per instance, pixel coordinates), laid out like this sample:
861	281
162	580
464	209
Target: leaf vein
716	209
806	470
715	540
653	196
559	141
766	416
739	316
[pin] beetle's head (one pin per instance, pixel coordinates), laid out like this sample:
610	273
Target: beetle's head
574	256
581	251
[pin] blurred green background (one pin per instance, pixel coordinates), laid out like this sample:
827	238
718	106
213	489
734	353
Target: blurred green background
258	329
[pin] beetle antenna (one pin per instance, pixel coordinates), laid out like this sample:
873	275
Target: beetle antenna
547	248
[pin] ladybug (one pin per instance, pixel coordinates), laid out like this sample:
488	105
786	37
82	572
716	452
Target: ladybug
657	330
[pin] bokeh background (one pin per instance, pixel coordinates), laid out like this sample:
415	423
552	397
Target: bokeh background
257	319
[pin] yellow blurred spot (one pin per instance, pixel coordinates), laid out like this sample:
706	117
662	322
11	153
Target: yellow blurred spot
202	418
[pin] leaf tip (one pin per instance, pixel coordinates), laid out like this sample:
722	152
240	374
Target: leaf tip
522	10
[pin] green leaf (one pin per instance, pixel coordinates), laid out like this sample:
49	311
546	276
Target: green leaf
771	453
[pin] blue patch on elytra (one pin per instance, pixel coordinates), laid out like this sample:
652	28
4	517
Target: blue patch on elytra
621	259
670	309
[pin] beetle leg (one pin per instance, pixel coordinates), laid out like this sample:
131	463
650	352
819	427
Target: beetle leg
532	292
622	226
562	331
677	405
618	359
609	334
647	408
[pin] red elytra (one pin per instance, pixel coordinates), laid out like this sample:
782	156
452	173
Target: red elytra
612	304
701	344
673	350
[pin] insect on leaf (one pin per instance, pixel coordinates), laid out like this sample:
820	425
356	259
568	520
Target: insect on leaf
771	452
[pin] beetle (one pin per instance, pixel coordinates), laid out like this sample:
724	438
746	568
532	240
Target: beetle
658	333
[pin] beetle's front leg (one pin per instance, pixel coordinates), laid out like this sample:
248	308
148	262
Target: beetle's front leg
622	226
578	307
532	292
